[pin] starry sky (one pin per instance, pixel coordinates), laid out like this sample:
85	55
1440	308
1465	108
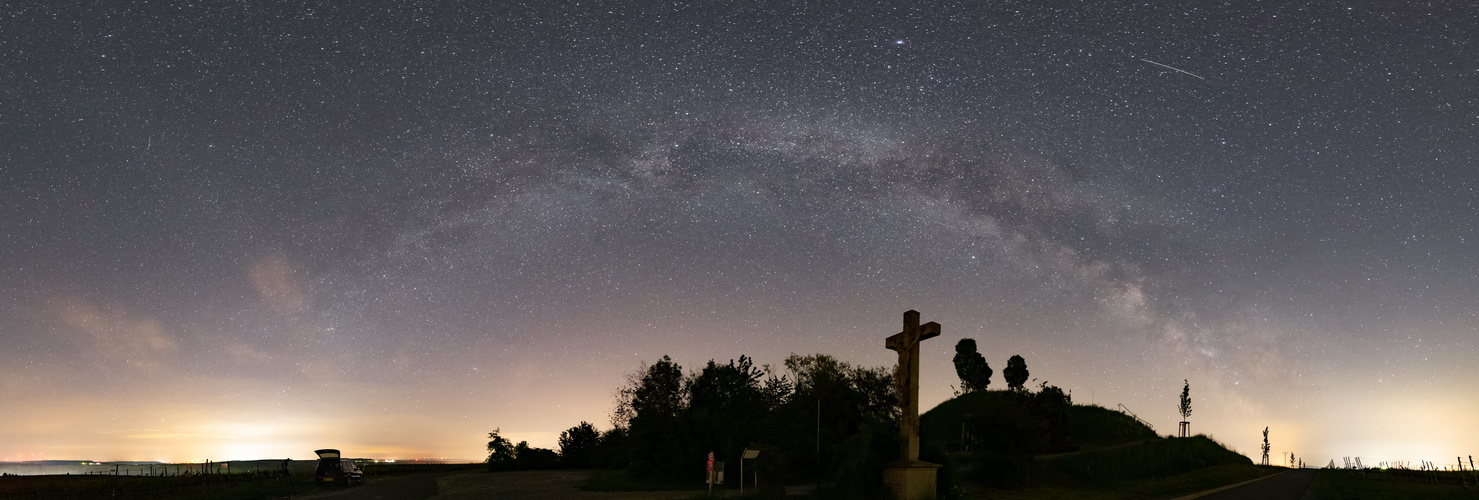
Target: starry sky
253	229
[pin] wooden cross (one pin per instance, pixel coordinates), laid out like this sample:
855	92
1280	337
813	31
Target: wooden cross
906	382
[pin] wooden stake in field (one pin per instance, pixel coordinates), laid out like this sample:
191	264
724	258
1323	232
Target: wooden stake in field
1461	469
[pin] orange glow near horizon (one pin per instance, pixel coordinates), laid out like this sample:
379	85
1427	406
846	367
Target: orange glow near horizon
166	430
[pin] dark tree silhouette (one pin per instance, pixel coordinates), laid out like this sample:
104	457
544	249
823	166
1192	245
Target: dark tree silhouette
727	405
1265	446
1184	429
655	391
1050	406
1015	373
530	458
1185	407
500	451
971	367
652	404
826	420
578	444
612	452
855	434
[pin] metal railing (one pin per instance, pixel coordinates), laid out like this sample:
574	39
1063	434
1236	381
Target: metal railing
1136	417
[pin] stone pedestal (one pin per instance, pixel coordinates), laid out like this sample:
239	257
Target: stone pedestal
911	479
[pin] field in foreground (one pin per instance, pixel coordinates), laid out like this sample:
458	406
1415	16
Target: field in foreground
249	486
1394	485
469	483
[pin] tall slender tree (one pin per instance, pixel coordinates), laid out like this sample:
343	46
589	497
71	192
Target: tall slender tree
1185	408
1265	446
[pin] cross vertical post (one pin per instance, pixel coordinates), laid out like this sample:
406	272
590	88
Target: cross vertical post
909	478
906	382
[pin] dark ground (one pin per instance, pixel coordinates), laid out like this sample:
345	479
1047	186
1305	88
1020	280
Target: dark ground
1290	485
408	487
458	485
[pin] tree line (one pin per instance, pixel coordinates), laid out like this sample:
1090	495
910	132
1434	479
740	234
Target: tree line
815	417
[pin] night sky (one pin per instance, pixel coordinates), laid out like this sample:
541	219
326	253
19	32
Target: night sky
250	230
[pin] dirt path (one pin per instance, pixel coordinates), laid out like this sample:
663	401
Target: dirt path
536	485
1080	452
1289	485
409	486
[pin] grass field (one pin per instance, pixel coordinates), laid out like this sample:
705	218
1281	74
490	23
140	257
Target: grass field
204	487
1394	485
619	480
238	487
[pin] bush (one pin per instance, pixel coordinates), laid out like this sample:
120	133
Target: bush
860	460
772	465
520	457
945	480
1000	470
535	458
611	453
1050	407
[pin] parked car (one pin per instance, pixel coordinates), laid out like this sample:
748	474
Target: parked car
332	469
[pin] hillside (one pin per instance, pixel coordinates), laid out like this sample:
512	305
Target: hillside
1033	442
1012	422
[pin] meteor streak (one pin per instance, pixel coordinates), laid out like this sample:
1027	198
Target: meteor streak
1173	68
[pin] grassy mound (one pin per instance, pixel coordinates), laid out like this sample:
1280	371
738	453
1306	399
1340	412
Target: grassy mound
1005	422
994	420
1002	440
1154	458
1099	426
